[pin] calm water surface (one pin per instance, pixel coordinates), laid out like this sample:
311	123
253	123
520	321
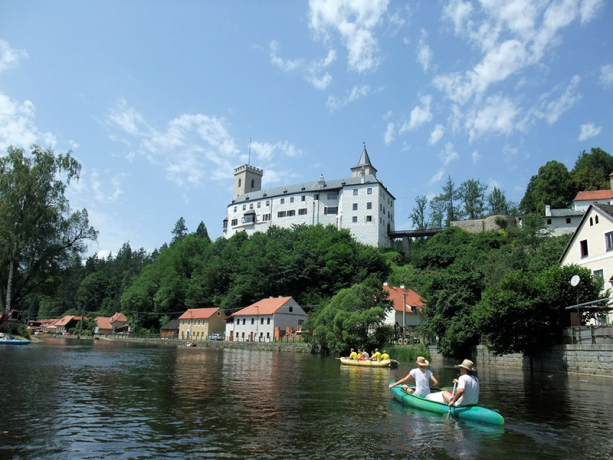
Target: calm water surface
65	399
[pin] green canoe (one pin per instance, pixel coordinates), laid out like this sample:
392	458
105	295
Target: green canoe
471	413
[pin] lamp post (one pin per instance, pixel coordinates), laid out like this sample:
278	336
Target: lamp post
404	312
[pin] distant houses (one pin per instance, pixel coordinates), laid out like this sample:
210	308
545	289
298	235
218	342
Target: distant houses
407	310
199	323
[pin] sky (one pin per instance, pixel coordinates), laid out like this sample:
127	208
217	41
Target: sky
161	100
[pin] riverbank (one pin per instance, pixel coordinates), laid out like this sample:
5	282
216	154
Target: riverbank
592	359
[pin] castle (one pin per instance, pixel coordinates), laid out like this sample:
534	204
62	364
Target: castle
360	203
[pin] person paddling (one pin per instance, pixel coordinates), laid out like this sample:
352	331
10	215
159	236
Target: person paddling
467	393
376	356
422	376
353	355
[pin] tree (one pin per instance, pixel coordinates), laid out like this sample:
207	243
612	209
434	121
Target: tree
179	231
552	186
354	317
202	232
447	202
472	195
38	230
597	160
418	216
497	203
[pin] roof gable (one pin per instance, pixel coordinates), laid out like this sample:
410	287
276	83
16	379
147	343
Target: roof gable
199	313
604	210
264	307
398	295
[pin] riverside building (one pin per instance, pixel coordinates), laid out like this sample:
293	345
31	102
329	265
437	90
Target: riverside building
359	203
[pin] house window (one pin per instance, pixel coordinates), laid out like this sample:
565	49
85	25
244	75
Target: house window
568	220
608	237
302	212
355	191
268	335
234	222
583	247
252	320
591	221
369	205
598	274
303	198
261	320
369	191
267	320
282	200
548	221
244	319
243	335
331	210
291	212
300	322
281	214
596	219
355	206
291	309
368	218
316	196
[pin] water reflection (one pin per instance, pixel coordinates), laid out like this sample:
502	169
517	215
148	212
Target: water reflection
99	400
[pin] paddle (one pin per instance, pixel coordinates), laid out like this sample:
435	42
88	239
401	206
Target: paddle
447	416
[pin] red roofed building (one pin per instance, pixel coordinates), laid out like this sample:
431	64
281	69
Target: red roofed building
103	325
400	297
66	323
199	323
258	321
119	323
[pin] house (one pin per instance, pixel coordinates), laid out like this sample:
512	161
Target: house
119	323
199	323
360	203
48	326
67	323
408	308
592	244
266	320
170	330
562	221
103	326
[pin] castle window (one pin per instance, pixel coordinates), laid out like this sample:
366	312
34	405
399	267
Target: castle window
368	218
331	210
369	205
291	200
332	196
265	217
303	198
250	205
291	213
234	222
259	204
354	219
355	206
267	203
235	208
282	200
281	214
302	212
244	207
240	182
355	191
369	191
252	183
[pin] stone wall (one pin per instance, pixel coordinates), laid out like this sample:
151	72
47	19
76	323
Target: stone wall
574	359
482	225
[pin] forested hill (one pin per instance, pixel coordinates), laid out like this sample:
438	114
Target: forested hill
309	263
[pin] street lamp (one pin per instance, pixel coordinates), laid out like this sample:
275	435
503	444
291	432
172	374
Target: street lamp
404	312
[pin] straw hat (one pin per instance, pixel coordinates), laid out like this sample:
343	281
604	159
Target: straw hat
468	365
421	361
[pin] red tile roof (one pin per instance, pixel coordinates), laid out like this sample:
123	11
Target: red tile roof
199	313
104	322
67	319
263	307
413	299
118	317
593	195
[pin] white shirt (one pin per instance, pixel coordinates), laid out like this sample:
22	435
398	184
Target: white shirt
422	382
470	384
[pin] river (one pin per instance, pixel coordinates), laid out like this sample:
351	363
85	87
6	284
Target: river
68	399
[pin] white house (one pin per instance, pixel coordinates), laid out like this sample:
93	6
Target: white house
259	320
562	221
360	203
592	244
408	308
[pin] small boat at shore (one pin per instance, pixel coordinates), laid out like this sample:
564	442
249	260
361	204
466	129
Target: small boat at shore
11	340
470	413
369	363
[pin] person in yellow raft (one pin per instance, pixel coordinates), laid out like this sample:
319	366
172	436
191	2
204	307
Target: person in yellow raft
376	356
353	355
384	355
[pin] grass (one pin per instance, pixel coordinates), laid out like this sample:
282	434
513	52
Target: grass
407	353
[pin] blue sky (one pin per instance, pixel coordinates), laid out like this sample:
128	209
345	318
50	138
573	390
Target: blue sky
160	101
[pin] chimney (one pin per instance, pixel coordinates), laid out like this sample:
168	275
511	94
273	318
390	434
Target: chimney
402	286
385	283
547	210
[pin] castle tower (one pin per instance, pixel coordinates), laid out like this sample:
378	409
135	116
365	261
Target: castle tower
247	179
364	167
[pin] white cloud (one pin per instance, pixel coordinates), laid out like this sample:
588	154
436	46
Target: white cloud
419	115
588	131
475	156
190	147
10	57
458	12
424	52
333	103
436	134
448	154
313	72
497	115
552	110
388	137
437	177
98	187
354	21
589	9
606	75
265	151
17	125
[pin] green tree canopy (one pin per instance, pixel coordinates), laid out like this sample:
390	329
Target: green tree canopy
472	196
552	186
